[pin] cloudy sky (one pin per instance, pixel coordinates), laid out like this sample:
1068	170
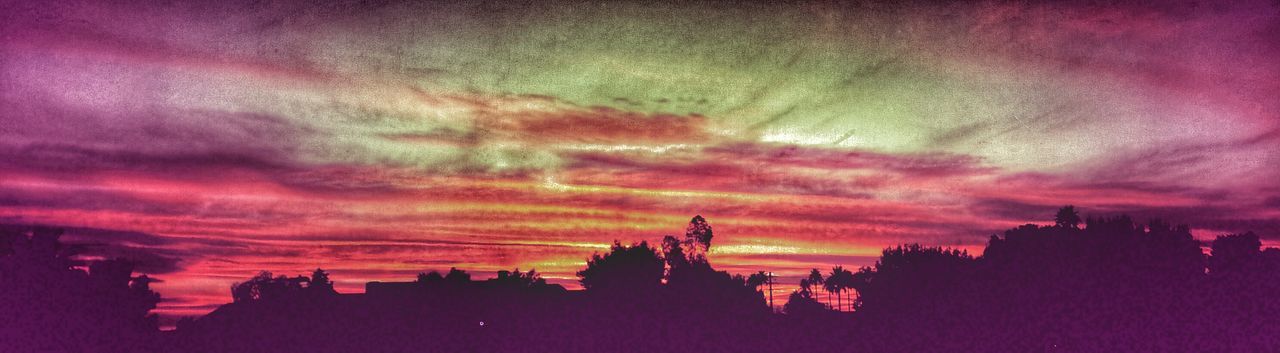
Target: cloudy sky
382	139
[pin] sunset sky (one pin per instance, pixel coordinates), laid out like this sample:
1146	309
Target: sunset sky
211	141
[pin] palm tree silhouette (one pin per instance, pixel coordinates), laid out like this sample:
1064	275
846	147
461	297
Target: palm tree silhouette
839	281
815	279
833	284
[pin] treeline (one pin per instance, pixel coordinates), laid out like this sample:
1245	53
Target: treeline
1079	285
1111	285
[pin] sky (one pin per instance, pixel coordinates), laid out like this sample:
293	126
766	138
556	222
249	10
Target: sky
381	139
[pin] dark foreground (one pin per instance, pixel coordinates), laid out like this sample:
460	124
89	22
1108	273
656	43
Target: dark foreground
1105	285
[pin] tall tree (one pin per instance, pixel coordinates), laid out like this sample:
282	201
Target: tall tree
815	279
697	237
834	284
769	281
674	255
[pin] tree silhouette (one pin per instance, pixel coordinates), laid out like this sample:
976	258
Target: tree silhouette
320	283
816	280
1109	285
515	280
801	303
698	239
907	276
48	301
433	277
1067	218
265	287
838	281
755	280
673	253
1234	253
623	268
457	277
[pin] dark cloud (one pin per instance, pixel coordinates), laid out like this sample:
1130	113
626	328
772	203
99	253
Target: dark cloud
41	136
145	260
345	180
70	158
1183	166
1272	202
1013	210
88	200
149	253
